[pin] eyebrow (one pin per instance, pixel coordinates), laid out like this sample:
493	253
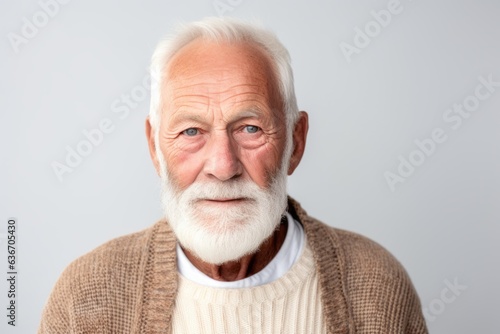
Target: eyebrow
187	116
251	112
246	113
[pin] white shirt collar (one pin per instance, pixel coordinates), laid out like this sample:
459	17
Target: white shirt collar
288	254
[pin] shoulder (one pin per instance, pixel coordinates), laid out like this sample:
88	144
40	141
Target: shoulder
106	264
361	260
379	290
106	278
120	252
363	255
361	282
356	253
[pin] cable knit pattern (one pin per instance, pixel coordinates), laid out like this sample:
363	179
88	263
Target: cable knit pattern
260	309
129	285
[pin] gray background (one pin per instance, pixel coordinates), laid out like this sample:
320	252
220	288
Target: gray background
442	223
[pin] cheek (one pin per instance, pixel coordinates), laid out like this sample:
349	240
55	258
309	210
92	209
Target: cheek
262	163
183	166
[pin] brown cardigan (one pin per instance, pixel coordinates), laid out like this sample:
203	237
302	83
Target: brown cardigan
128	285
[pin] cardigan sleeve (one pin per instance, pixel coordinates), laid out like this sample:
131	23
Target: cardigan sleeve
416	322
100	292
364	288
380	292
79	301
55	316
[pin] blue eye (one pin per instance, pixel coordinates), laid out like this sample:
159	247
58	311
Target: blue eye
252	128
190	132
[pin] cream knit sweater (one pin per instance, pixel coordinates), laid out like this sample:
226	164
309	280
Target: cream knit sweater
260	309
129	285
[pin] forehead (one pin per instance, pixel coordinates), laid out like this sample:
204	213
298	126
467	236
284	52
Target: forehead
221	68
199	54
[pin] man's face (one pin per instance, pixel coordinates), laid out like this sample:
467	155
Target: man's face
221	146
222	116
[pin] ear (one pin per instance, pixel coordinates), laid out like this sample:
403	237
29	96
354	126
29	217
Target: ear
299	141
150	136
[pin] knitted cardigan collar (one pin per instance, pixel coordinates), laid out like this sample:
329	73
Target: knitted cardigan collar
155	306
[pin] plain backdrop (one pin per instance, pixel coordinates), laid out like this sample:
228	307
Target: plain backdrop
366	110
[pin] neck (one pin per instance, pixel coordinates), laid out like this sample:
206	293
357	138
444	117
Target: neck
246	266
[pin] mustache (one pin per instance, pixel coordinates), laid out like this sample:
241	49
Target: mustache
240	189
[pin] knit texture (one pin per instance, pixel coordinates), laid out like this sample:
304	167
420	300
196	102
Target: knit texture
261	309
129	285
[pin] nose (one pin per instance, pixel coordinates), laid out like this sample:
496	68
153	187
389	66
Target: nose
222	161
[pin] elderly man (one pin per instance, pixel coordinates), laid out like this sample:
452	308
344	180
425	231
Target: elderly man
234	254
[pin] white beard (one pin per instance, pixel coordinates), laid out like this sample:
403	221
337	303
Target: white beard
217	235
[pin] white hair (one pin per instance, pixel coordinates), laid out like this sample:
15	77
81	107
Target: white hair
228	30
